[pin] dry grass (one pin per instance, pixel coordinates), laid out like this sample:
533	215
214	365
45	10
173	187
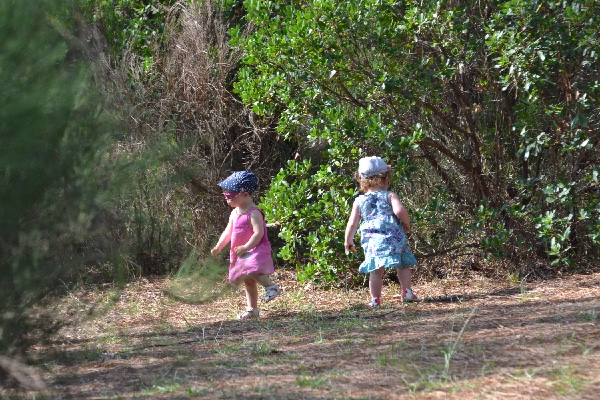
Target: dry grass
181	131
471	339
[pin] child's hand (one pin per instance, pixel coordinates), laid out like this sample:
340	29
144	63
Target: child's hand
240	251
350	247
214	251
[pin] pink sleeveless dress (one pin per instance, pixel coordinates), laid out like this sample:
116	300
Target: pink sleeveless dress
258	260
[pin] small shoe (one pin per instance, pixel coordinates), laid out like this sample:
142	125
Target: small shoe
250	313
271	292
408	296
375	303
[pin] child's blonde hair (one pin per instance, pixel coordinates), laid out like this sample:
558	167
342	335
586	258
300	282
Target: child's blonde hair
376	180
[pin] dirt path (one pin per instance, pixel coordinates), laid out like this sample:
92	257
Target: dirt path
479	340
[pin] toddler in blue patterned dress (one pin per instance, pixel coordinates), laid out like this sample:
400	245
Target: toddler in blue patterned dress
385	223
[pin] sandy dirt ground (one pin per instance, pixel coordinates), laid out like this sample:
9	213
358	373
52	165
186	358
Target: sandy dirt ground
470	338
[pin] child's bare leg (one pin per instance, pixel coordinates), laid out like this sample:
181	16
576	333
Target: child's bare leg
376	282
251	292
404	277
264	280
271	289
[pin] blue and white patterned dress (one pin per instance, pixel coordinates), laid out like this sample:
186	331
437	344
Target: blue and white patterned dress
382	236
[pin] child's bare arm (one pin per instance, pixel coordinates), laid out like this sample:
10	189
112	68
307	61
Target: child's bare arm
400	211
225	236
351	228
256	220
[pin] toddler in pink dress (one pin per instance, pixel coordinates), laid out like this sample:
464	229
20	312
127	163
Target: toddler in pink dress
250	253
257	260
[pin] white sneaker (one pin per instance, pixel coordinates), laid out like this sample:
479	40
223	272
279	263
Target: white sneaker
409	296
375	302
250	313
271	292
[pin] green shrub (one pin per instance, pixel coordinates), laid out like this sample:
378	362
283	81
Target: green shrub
503	96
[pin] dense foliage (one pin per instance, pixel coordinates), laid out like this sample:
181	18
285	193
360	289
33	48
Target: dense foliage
134	25
488	112
52	137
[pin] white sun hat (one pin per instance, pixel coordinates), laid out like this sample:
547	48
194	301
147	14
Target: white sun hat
371	166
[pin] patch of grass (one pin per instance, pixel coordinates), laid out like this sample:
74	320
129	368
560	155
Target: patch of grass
113	336
337	373
194	392
356	306
319	339
487	368
162	388
134	308
451	348
520	375
540	339
268	325
525	296
346	349
423	379
261	349
572	342
108	299
309	322
164	326
419	378
263	390
91	353
457	387
230	348
292	300
514	278
589	316
385	359
306	380
412	316
566	381
369	342
125	353
393	356
353	324
549	320
310	315
586	349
